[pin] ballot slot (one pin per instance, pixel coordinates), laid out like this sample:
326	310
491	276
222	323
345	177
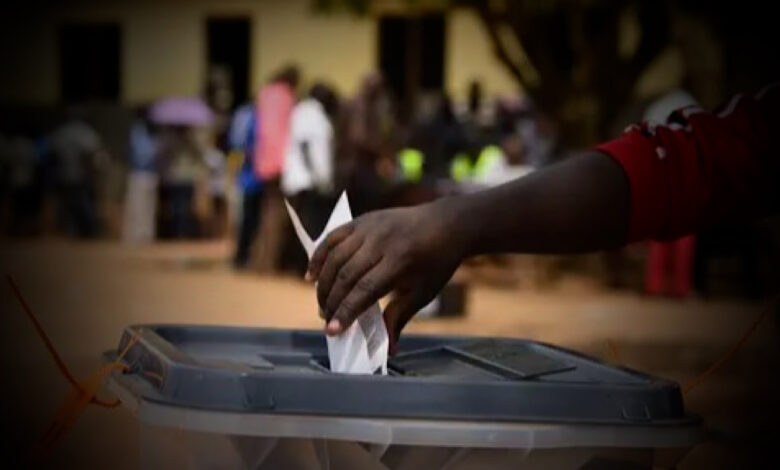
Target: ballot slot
322	364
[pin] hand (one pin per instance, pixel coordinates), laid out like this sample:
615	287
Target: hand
411	252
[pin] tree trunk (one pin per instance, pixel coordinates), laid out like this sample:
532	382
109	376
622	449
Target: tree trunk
582	80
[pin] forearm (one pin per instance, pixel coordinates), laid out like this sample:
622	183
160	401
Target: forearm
579	205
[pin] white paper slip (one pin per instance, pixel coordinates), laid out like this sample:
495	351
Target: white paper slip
362	348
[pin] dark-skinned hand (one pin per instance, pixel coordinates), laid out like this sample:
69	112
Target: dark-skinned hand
576	206
408	252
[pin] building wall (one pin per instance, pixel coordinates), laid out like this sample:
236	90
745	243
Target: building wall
336	47
164	50
163	53
28	61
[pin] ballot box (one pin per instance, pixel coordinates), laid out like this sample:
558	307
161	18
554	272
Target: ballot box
244	398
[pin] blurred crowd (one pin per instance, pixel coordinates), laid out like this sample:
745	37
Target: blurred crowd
207	166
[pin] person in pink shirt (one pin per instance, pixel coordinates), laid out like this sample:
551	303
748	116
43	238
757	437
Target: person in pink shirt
274	106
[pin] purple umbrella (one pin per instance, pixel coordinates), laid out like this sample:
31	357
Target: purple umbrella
181	112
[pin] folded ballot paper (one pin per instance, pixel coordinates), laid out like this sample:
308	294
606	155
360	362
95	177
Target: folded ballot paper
362	348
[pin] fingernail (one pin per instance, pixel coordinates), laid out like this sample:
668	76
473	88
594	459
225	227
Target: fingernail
334	327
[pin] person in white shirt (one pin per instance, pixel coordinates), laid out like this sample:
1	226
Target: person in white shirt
307	177
308	165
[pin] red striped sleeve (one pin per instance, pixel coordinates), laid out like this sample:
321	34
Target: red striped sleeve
702	169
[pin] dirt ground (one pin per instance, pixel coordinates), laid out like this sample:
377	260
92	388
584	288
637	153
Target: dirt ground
85	293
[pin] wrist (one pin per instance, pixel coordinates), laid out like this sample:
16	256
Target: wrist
461	223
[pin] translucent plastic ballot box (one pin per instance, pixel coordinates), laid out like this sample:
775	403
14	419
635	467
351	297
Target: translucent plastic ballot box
243	398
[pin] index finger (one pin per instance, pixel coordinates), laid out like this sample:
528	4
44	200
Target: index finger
372	286
321	253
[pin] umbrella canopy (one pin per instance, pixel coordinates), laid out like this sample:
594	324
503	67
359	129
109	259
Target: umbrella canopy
181	112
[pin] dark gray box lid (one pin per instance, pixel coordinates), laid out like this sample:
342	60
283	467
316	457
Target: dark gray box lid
432	377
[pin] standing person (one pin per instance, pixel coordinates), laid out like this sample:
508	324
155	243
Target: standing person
216	189
212	196
452	140
141	198
220	96
440	139
180	164
79	154
20	163
275	104
185	126
241	138
364	141
307	178
476	112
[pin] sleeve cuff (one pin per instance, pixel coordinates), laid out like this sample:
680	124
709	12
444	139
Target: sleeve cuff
645	168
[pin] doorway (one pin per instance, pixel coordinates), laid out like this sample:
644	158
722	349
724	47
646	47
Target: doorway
228	59
411	56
